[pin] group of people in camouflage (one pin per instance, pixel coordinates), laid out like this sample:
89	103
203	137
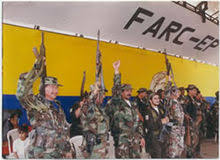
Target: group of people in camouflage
166	123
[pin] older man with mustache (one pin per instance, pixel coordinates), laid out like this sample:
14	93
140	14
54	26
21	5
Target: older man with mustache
128	132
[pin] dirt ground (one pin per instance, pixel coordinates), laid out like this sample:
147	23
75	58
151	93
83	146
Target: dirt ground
209	149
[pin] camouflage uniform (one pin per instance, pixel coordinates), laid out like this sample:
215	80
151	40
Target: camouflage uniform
215	117
125	122
193	109
202	105
176	136
95	126
110	109
49	137
182	100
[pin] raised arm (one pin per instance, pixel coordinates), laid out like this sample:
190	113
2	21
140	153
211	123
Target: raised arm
26	80
116	89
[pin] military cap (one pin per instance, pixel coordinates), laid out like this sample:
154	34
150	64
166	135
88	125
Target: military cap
51	80
174	88
181	88
191	87
149	91
140	90
126	87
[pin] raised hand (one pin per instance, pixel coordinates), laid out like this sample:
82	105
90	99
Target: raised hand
116	66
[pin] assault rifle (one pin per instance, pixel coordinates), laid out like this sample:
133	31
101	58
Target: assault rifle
169	67
99	70
167	127
41	55
82	93
92	138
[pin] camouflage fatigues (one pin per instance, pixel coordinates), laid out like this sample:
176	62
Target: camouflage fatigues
215	117
182	100
125	122
202	105
176	136
194	111
49	137
95	126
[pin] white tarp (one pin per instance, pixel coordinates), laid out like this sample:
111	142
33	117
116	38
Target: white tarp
152	25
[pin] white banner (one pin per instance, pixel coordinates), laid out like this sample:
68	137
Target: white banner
152	25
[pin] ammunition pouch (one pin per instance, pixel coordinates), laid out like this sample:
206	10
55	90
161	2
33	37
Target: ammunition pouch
92	140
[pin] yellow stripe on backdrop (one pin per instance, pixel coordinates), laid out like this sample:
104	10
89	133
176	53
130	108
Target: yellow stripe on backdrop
67	57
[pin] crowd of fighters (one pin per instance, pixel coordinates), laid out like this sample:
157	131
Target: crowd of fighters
165	124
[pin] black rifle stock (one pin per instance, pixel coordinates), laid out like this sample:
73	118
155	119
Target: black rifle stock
82	93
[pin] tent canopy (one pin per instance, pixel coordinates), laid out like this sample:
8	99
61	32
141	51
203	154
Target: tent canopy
151	25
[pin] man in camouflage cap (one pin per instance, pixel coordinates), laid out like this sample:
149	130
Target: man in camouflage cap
49	137
190	101
51	81
193	113
95	125
128	135
141	101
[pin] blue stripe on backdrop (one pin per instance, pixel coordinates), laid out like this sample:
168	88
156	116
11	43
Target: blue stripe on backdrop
11	103
211	100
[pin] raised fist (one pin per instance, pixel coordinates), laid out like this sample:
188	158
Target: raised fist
116	65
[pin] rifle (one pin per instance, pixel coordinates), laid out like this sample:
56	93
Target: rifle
41	55
99	70
168	66
167	127
188	136
82	93
44	73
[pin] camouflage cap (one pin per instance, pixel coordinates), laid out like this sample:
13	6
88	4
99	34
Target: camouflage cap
174	89
181	88
51	80
126	87
149	91
191	87
140	90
